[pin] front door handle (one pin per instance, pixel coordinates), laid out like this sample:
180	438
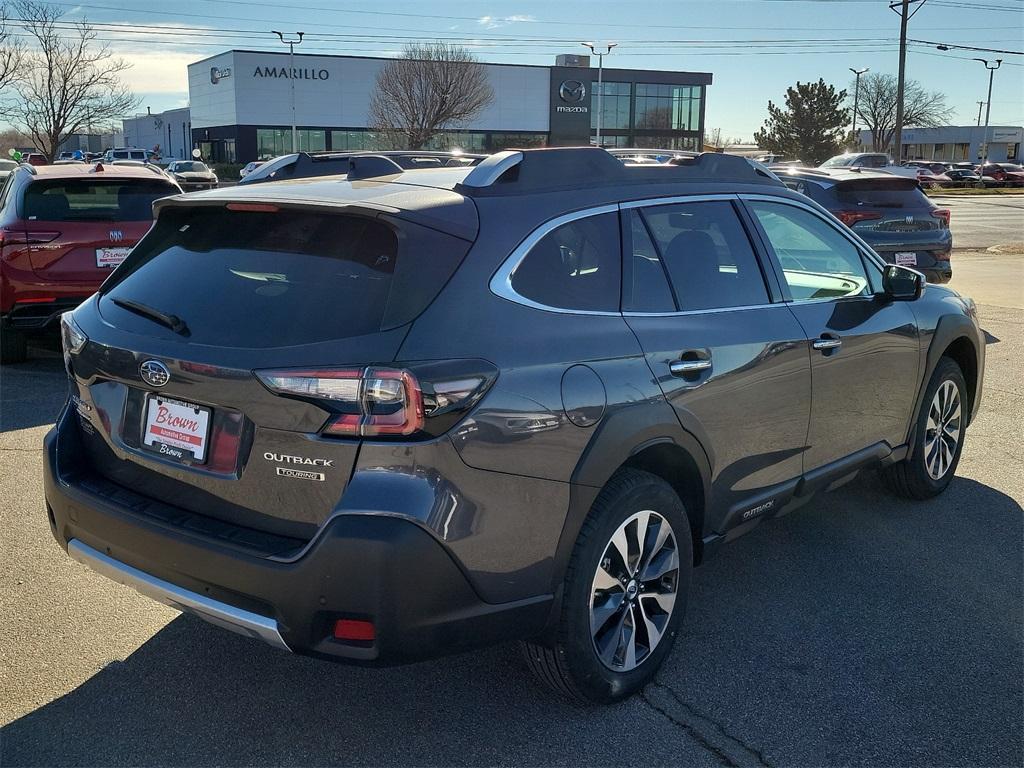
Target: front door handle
826	343
688	367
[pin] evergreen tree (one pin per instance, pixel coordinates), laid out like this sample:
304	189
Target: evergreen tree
810	128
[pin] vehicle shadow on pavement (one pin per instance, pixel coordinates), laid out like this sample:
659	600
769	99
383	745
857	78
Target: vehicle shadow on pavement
861	629
32	393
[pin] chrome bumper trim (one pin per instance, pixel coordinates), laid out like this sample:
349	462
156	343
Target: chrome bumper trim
220	614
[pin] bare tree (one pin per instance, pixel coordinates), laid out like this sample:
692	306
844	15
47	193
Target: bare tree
69	79
717	139
12	51
876	108
430	88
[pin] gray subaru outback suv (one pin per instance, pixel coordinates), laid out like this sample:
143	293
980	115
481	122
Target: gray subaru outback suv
391	415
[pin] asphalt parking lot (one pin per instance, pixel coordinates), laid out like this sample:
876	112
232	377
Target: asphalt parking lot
860	630
983	221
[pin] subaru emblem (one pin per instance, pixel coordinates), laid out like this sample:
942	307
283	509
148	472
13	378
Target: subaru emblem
116	235
154	373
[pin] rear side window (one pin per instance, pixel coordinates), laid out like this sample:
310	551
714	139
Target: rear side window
575	266
882	194
91	199
266	279
708	255
645	287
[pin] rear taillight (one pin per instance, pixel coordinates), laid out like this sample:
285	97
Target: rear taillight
423	400
72	338
849	218
942	213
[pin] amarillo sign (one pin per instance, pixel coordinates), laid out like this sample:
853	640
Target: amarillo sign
295	73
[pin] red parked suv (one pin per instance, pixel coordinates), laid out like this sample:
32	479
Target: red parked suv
63	229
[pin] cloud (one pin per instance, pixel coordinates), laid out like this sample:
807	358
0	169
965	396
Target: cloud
493	22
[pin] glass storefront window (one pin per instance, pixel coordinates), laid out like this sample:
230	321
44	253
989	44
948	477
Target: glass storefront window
614	98
272	142
500	141
667	107
310	140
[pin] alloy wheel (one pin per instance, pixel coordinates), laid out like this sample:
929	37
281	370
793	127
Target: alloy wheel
634	591
942	431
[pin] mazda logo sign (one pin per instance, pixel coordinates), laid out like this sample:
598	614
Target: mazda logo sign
154	373
572	91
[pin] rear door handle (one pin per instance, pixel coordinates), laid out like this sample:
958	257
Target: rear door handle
826	343
688	367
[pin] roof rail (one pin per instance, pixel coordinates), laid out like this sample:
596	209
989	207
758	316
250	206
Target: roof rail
370	166
542	170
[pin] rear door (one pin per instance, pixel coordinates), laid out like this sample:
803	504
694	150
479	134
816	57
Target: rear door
179	413
864	348
84	226
896	218
734	365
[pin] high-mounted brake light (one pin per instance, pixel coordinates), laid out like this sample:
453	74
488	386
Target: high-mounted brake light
942	213
253	207
849	218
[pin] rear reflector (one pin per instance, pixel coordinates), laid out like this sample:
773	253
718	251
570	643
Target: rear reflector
942	256
253	207
354	629
37	300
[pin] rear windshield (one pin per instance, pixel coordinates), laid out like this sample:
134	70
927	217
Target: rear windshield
268	279
92	199
882	194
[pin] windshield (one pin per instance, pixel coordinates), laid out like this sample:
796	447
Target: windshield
838	161
90	199
190	166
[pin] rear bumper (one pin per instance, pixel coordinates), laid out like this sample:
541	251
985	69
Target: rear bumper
362	565
37	316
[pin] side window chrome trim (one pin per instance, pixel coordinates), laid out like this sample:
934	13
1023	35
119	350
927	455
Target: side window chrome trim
501	281
855	239
653	202
713	310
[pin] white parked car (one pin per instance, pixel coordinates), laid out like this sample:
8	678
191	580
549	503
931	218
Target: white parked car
876	161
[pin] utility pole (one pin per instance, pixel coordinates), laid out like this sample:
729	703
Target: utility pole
898	136
980	105
988	109
600	89
856	102
291	78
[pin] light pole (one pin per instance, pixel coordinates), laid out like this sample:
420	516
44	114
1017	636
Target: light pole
600	81
856	100
291	76
988	108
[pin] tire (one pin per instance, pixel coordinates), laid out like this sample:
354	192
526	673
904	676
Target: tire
933	460
13	346
632	501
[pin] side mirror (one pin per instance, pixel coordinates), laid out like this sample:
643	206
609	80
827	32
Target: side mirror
901	283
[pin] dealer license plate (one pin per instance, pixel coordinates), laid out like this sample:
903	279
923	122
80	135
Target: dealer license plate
906	258
176	430
111	257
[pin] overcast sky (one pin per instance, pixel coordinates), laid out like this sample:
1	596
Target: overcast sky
754	48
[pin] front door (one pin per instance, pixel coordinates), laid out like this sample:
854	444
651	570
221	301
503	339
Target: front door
864	349
734	366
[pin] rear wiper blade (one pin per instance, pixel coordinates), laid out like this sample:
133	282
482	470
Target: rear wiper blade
173	322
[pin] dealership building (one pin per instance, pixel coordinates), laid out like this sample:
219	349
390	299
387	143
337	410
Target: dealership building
958	143
240	107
